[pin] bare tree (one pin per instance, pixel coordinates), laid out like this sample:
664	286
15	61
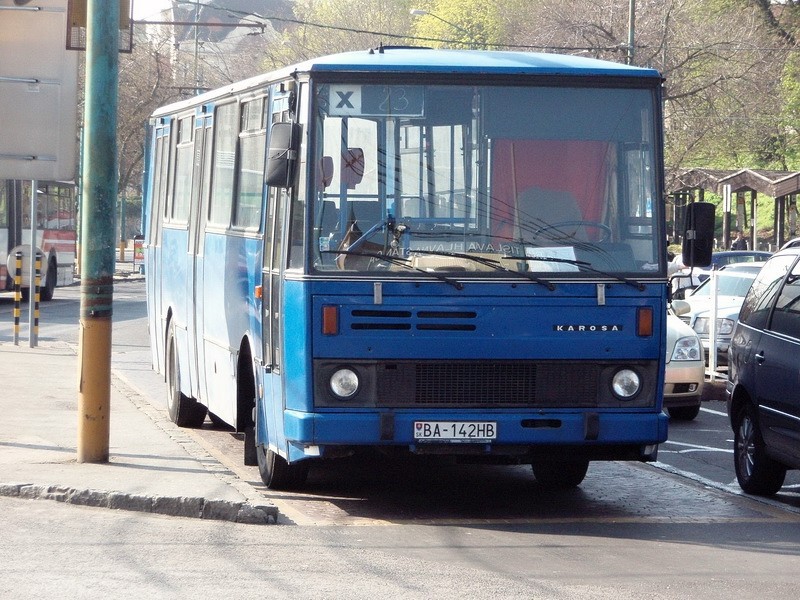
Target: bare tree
329	26
722	59
145	82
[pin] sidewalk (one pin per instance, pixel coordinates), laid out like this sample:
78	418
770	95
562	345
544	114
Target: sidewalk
154	466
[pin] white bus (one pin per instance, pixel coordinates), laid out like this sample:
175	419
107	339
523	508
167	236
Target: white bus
56	234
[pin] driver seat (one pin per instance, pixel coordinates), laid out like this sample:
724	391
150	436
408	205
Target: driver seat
538	209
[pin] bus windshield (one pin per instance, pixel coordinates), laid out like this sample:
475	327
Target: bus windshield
484	180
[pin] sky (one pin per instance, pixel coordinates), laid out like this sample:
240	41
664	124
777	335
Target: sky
147	8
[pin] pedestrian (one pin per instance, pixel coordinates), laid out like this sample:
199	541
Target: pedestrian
739	243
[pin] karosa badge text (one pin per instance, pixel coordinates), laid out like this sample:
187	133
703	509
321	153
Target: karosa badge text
590	328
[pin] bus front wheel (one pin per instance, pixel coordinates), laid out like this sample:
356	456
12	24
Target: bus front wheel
184	411
277	473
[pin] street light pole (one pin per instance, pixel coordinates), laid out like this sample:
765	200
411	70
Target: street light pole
196	46
631	27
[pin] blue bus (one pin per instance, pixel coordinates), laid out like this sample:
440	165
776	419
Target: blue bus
417	251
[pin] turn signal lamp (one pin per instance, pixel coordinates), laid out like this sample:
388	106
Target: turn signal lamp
330	320
644	321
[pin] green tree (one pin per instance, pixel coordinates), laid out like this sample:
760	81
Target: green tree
789	122
472	24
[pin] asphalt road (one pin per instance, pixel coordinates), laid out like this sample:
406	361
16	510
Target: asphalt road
702	450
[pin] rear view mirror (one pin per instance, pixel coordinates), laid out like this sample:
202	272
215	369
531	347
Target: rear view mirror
284	140
680	307
698	235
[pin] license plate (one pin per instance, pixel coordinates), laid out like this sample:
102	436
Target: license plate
455	431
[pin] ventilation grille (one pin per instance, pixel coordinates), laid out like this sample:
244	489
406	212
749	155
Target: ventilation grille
406	320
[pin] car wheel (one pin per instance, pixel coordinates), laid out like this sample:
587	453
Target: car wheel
560	475
184	411
756	472
277	473
684	413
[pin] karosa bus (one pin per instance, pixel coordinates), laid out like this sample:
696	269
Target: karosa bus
436	251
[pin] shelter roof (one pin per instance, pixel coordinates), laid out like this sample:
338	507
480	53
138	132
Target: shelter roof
771	183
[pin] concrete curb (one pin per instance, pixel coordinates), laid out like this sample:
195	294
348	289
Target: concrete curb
198	508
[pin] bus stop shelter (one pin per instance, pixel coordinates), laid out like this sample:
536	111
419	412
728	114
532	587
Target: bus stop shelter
734	185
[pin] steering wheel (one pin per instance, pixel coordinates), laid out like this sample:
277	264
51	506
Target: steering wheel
605	229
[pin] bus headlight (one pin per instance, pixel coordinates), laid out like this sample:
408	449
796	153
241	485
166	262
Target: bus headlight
626	383
344	383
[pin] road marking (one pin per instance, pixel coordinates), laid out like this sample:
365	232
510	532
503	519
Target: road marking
714	412
696	448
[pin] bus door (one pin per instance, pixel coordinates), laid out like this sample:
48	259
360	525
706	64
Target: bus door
153	259
272	303
197	225
8	227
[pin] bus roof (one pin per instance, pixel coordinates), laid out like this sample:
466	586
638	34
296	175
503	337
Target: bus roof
426	60
433	61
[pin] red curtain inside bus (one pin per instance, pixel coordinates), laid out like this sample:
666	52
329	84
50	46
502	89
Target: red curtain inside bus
577	168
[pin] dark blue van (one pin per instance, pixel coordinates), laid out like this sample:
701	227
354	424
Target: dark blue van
764	377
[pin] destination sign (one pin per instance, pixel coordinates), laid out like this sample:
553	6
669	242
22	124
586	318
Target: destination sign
376	100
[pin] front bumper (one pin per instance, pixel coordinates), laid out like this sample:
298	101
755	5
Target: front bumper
683	383
599	435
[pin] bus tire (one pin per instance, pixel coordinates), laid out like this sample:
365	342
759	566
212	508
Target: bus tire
49	288
277	473
560	475
250	450
183	411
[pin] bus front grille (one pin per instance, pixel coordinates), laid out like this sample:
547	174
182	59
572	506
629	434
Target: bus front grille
487	384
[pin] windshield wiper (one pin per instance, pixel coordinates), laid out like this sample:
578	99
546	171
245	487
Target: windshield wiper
396	260
494	264
583	265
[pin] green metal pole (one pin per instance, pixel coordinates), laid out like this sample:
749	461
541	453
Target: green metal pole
98	225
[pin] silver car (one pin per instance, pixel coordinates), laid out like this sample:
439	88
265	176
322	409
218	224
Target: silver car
685	373
733	283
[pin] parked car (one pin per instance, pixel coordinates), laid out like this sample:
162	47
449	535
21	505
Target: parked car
764	377
684	280
733	282
685	373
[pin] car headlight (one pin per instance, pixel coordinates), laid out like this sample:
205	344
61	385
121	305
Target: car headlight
626	383
687	348
344	383
701	324
724	326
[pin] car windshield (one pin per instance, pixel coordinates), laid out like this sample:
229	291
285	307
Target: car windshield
484	180
727	285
